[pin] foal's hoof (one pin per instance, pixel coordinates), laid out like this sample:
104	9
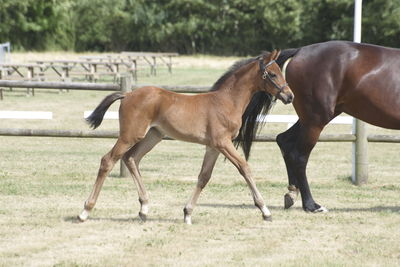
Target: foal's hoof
143	216
267	218
187	219
83	216
289	200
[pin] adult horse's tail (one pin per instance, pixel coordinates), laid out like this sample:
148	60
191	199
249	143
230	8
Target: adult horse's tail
261	103
97	116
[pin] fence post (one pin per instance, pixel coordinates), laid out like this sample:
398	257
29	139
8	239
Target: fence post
360	153
126	86
360	147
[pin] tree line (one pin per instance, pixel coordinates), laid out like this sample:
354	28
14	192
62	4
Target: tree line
222	27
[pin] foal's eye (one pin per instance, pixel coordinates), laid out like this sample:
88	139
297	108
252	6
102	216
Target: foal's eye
272	75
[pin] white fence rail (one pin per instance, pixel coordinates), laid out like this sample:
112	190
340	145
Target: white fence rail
26	115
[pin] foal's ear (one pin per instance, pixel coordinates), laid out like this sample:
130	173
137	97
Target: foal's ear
275	54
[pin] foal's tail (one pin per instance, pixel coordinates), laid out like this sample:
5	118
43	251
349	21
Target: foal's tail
96	117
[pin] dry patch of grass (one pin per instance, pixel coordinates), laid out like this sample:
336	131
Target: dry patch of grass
45	182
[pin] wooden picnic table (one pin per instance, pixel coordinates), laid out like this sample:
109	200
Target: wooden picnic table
25	71
117	61
151	59
64	67
7	69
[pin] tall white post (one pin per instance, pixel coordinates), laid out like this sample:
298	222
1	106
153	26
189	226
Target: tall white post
360	146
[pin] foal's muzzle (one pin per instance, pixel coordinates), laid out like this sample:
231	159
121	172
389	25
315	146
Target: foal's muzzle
286	98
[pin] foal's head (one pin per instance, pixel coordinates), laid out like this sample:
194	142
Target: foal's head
273	81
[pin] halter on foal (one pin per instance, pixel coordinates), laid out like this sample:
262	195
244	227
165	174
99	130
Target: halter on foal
213	119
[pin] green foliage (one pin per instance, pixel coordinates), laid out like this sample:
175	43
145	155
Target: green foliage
381	22
224	27
323	20
35	24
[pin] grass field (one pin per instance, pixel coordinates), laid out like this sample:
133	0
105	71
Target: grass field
44	182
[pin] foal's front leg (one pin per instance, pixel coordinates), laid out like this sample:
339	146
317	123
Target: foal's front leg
210	158
229	151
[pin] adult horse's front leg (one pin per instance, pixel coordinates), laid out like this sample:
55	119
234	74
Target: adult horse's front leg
210	158
297	160
229	151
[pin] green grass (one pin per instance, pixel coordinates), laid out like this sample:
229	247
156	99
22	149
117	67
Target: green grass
44	182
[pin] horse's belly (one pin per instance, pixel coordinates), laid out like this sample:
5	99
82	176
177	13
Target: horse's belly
183	132
386	115
376	100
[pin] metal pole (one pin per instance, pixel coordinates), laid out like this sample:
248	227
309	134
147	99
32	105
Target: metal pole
360	146
126	86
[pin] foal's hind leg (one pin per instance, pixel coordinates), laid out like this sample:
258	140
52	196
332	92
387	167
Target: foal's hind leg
107	163
205	174
231	153
132	159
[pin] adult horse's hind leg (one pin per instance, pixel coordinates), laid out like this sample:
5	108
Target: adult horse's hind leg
132	159
229	151
297	159
209	160
286	142
107	163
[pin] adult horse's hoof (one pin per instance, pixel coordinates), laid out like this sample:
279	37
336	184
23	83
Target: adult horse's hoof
291	196
289	200
321	210
143	216
316	209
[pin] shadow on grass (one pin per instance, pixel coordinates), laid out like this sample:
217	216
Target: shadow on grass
246	206
377	209
242	206
371	209
74	219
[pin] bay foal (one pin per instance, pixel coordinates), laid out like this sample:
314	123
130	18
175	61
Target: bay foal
212	119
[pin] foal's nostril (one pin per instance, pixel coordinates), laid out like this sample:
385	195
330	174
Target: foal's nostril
290	98
287	98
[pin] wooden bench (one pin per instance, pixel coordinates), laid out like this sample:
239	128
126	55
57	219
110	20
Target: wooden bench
151	59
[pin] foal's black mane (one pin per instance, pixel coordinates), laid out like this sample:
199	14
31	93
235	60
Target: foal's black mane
260	104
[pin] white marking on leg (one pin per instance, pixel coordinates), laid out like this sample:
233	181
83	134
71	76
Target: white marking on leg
321	210
266	211
144	209
188	219
84	215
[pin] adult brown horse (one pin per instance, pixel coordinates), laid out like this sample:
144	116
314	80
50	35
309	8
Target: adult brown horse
212	119
327	79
